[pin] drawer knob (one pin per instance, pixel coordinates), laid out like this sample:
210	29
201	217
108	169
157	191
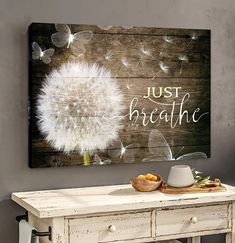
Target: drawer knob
112	228
194	220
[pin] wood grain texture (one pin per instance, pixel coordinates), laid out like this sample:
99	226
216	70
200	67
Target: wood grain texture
179	220
81	201
133	80
192	189
127	226
120	214
230	236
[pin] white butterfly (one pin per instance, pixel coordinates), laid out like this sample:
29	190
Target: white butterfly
161	151
76	41
39	54
99	161
125	153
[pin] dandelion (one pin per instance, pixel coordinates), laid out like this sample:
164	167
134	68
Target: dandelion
182	58
79	108
163	68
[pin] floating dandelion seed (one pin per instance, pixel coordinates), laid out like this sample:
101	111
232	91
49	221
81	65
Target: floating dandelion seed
168	39
79	108
193	37
76	41
182	58
128	62
99	161
125	153
163	68
145	51
129	85
108	55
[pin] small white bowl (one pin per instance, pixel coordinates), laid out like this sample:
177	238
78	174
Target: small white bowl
180	176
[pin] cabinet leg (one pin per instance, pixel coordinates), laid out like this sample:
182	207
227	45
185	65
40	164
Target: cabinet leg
230	237
196	239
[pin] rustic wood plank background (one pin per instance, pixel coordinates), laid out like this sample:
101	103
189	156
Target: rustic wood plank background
126	43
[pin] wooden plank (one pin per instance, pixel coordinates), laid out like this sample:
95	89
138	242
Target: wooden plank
45	158
118	198
44	29
137	88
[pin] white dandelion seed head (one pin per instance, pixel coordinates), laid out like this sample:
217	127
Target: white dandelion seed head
168	39
183	58
80	108
164	67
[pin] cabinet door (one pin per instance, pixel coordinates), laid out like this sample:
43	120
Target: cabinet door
108	228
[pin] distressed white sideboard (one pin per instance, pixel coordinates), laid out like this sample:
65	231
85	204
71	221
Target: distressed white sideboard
121	214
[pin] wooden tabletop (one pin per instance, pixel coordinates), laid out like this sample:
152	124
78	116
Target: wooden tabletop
79	201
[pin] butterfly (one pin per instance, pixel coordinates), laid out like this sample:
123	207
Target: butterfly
99	161
125	153
161	151
39	54
76	41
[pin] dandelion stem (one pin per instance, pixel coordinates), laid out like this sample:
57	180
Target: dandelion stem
156	75
181	67
86	158
118	72
189	43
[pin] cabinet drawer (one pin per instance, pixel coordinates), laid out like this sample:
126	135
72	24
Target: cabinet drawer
186	220
110	228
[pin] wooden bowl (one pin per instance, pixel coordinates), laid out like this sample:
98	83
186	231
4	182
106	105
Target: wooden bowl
143	185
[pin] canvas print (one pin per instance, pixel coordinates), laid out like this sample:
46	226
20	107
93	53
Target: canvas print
103	95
